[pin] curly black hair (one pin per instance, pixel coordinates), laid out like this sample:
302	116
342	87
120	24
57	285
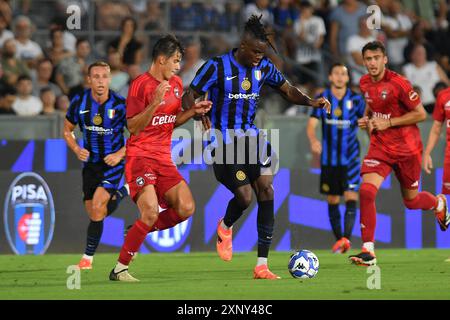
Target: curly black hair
254	27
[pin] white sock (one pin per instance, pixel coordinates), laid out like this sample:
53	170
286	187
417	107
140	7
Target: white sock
119	267
440	205
261	261
90	258
369	246
127	187
223	225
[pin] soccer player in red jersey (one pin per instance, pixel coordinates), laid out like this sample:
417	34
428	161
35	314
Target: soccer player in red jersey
153	110
394	109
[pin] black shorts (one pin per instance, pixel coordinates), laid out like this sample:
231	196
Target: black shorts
336	180
101	175
250	162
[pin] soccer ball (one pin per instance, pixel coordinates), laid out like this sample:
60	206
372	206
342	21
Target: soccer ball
303	264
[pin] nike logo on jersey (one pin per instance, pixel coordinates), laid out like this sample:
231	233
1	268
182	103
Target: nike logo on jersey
84	111
229	78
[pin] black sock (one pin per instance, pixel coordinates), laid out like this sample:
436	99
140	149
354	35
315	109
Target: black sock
115	199
94	233
349	218
234	212
335	220
265	225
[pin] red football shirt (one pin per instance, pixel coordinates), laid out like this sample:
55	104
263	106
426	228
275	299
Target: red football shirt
442	109
391	97
155	140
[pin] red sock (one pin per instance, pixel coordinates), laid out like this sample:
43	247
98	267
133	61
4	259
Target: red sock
424	200
167	219
367	194
133	241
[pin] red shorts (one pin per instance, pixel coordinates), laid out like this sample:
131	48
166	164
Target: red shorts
446	174
142	171
407	168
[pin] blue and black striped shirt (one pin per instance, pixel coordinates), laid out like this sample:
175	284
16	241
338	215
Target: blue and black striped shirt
340	145
102	125
234	90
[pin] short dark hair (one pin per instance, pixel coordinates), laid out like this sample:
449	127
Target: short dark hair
98	64
44	90
334	65
7	90
80	41
23	77
373	46
438	88
167	46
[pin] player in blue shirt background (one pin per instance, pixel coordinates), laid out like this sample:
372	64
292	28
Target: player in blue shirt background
100	114
233	82
339	151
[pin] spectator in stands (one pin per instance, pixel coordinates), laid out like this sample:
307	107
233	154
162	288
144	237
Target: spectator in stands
133	72
5	34
12	67
62	104
397	26
344	24
70	71
119	78
259	7
211	17
126	44
69	40
355	43
43	75
185	16
26	104
48	99
285	14
192	61
79	89
151	20
417	36
6	11
56	51
425	11
310	32
110	14
7	98
28	50
424	74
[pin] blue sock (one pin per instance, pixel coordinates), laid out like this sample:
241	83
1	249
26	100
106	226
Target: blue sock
94	233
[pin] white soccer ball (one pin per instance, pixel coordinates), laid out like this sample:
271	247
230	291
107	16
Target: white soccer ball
303	264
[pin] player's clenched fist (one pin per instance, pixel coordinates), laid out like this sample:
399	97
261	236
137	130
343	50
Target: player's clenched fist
380	124
82	154
363	123
158	95
112	159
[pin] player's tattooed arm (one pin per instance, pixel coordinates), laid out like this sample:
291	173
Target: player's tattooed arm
137	123
68	135
296	96
197	109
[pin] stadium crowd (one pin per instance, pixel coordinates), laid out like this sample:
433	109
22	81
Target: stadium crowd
43	64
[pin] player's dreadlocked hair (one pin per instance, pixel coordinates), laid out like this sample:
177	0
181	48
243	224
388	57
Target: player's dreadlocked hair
257	29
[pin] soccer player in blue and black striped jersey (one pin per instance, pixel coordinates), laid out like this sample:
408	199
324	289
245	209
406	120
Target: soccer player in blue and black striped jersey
233	82
100	114
339	149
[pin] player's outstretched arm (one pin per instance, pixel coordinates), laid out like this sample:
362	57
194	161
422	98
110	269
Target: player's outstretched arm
433	138
412	117
137	123
188	100
198	109
68	135
294	95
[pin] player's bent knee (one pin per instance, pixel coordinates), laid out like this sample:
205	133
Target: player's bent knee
266	193
186	209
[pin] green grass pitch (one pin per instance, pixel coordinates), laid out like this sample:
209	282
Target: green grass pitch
405	274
